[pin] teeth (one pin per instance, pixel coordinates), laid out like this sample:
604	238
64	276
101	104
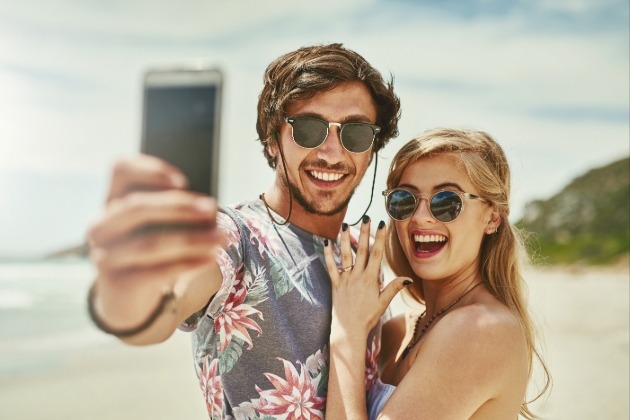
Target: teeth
429	238
326	176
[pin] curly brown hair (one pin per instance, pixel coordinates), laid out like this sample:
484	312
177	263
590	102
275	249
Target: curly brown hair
303	73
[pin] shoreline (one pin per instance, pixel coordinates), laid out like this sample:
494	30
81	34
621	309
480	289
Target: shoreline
583	314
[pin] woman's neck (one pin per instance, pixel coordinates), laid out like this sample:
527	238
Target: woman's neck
438	294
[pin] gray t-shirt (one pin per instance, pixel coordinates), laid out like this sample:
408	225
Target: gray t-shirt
261	347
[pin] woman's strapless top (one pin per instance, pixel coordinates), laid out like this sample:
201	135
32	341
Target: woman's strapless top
377	397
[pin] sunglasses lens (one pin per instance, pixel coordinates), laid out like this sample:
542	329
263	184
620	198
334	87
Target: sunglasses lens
446	206
309	132
357	138
400	204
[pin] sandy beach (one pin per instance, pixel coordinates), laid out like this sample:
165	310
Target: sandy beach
584	315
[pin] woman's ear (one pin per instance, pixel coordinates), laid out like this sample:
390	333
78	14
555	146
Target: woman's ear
493	223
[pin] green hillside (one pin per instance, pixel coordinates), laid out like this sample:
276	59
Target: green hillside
587	222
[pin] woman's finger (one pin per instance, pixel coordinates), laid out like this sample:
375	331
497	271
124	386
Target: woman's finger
390	291
363	247
378	247
330	262
347	260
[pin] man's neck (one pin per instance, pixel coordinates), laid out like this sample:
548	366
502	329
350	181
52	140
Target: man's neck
278	199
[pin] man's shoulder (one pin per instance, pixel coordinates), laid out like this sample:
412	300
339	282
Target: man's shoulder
244	206
244	212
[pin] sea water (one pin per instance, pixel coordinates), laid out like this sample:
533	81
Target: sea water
43	313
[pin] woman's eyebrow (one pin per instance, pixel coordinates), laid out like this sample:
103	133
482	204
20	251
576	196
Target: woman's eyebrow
441	186
448	185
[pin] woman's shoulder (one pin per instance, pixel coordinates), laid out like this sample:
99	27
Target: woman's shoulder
487	327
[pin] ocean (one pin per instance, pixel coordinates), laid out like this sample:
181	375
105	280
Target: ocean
43	314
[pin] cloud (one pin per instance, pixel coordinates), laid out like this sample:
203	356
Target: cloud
548	79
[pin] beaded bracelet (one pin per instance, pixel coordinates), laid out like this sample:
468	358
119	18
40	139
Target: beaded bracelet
166	298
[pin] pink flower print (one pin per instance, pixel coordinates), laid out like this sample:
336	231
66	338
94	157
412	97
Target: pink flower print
371	363
293	397
210	383
233	320
229	229
259	236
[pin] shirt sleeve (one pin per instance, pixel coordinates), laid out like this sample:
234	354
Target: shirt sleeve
230	260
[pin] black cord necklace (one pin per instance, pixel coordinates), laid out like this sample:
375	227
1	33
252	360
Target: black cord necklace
414	339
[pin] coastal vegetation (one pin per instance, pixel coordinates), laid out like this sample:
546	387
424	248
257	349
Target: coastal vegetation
585	223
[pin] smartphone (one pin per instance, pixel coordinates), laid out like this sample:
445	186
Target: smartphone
181	122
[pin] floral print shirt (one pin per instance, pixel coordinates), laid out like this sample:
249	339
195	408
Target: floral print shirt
261	346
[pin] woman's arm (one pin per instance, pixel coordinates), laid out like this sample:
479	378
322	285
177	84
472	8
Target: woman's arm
357	306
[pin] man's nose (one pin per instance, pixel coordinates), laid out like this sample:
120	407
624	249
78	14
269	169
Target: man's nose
332	150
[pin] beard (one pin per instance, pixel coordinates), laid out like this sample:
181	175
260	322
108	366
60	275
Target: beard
312	205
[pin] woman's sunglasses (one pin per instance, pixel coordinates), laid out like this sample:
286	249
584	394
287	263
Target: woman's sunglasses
311	132
444	206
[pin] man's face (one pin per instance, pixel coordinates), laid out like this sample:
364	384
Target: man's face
322	180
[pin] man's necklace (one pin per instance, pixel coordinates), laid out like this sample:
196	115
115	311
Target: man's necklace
273	219
414	339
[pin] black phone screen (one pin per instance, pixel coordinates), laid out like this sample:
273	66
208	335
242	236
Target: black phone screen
179	127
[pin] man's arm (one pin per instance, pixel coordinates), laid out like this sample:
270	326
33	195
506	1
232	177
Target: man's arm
191	292
140	265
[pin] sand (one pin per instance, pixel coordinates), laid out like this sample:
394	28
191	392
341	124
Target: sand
584	316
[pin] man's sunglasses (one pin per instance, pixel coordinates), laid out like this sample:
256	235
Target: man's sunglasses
444	205
311	132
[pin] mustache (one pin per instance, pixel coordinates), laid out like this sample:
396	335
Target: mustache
322	164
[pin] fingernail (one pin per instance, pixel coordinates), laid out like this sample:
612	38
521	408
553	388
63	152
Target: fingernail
344	226
407	282
325	242
381	224
366	218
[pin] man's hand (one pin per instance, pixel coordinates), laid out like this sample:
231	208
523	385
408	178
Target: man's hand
152	236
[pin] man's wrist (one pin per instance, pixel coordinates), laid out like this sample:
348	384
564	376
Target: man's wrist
167	296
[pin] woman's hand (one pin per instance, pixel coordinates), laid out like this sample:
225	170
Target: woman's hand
357	305
358	302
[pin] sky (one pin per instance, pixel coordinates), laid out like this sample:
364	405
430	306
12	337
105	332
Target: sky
548	79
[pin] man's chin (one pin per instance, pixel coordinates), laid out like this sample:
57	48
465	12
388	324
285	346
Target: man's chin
332	206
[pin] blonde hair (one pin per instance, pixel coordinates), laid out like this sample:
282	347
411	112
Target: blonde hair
485	163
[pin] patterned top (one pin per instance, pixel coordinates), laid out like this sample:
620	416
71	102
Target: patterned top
261	346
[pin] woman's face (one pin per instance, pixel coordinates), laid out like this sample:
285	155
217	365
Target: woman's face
438	250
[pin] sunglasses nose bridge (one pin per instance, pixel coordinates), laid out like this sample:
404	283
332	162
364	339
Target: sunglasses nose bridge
330	132
331	149
423	210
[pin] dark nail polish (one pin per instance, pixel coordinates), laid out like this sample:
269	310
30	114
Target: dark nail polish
366	218
344	226
407	282
325	242
381	224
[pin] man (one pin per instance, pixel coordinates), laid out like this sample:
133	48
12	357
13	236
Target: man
259	305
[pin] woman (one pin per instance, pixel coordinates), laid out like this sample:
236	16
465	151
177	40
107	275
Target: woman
470	353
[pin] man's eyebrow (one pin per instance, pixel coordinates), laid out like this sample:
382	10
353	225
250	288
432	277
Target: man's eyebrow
350	118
